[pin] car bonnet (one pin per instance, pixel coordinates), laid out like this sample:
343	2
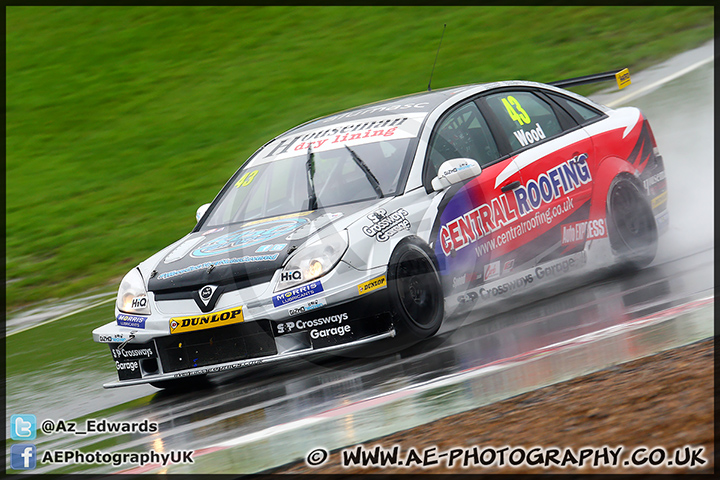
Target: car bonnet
241	255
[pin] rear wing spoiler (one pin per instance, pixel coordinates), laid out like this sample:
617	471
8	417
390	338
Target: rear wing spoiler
622	77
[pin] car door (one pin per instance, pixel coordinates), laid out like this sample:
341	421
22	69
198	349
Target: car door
552	154
472	212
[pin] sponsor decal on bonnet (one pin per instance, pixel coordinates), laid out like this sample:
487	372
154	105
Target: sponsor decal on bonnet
248	236
271	248
215	263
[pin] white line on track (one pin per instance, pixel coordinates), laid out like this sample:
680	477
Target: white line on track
647	88
65	315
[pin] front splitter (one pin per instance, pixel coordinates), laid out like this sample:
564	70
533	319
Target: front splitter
223	367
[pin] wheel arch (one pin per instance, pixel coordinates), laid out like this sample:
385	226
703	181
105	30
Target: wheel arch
607	172
418	242
626	246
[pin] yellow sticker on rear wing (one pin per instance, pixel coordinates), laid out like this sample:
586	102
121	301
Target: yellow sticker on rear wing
623	78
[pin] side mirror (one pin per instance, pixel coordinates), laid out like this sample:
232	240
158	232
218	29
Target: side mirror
201	211
454	171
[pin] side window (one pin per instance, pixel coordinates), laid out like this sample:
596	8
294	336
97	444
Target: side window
524	118
463	133
584	112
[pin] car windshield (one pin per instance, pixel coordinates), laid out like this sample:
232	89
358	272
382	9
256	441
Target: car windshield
347	173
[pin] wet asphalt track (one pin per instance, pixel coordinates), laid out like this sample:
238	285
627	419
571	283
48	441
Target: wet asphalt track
248	401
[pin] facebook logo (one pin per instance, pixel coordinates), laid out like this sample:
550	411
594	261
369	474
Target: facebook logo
22	427
23	456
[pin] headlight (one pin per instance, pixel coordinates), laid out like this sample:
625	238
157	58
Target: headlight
313	260
132	296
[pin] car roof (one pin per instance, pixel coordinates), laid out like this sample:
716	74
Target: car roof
420	102
423	102
416	102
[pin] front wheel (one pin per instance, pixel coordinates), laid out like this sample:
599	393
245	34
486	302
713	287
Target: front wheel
415	291
631	224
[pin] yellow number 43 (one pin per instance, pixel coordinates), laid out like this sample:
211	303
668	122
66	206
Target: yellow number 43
511	104
246	179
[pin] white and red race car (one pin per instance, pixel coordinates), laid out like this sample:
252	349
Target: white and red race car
382	220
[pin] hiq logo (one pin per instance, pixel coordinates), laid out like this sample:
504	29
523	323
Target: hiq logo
22	427
23	456
290	275
139	302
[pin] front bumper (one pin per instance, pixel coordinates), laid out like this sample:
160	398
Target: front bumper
354	323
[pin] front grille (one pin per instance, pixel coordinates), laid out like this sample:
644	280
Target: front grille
242	341
231	285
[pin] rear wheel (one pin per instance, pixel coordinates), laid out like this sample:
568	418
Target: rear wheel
631	224
415	291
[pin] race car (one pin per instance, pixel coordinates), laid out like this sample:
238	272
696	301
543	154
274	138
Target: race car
382	220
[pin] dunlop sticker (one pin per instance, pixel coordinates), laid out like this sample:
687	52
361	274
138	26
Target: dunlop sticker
659	200
371	285
211	320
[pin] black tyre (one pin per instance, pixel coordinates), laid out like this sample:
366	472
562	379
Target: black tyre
187	384
631	224
415	291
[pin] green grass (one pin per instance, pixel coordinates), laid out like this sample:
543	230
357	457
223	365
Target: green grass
40	349
121	121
